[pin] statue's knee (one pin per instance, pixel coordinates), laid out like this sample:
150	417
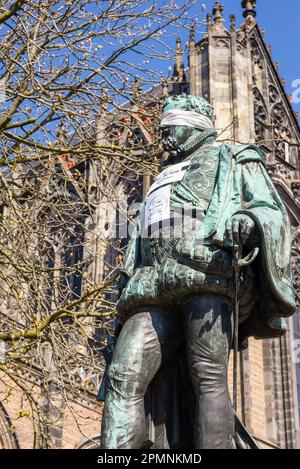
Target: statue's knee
209	377
123	382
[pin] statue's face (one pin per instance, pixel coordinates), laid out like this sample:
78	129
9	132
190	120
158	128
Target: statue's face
175	135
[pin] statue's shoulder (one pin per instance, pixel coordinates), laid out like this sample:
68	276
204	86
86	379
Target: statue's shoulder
246	153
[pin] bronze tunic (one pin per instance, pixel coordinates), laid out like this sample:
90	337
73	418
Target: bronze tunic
175	260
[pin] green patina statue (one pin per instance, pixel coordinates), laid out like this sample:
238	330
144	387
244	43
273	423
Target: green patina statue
167	383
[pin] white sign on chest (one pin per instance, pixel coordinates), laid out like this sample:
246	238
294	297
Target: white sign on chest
169	175
158	197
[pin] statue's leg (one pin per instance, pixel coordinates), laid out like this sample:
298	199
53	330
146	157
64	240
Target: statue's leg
208	334
146	338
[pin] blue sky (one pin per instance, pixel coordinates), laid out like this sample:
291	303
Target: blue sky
280	19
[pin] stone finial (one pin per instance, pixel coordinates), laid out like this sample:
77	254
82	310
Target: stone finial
218	12
249	13
136	89
232	23
209	22
192	35
178	44
282	80
178	65
192	47
165	88
62	132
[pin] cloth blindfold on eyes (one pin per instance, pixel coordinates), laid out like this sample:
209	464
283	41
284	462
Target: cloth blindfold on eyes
187	118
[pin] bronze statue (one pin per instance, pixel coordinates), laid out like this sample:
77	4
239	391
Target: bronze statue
167	383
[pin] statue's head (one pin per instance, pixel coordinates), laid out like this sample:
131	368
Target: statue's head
183	116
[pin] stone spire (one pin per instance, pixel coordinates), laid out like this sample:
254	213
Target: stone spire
191	44
62	133
218	20
249	13
136	90
192	35
178	66
165	88
232	23
192	58
209	22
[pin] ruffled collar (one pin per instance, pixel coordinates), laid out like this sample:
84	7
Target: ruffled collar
196	141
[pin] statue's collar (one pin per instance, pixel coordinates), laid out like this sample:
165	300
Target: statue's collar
195	142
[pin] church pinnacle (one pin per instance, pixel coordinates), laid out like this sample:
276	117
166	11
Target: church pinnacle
217	12
249	13
178	65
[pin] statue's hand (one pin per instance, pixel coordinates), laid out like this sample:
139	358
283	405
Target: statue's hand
238	229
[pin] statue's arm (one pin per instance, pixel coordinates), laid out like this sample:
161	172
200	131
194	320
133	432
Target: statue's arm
131	257
262	202
259	201
259	194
